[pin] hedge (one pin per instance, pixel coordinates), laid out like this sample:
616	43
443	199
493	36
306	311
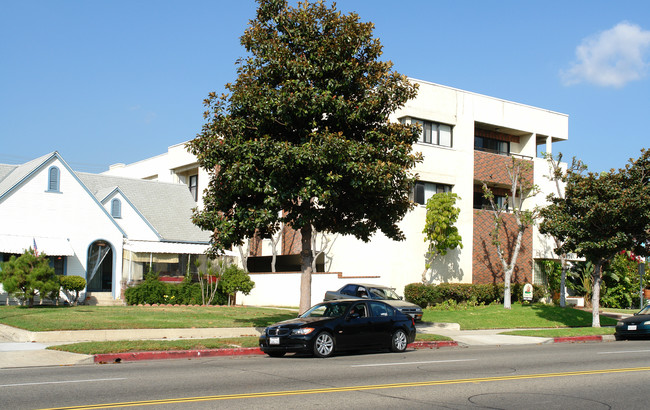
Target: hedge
153	291
425	295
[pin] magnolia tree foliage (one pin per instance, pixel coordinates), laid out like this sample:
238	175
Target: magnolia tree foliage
439	229
29	275
303	137
602	215
521	188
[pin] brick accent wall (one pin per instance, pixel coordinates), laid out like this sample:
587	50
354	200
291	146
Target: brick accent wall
492	168
291	241
486	266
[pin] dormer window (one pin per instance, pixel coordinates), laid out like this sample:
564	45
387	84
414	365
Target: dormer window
53	179
116	208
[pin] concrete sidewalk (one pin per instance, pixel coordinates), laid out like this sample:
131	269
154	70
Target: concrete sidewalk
21	348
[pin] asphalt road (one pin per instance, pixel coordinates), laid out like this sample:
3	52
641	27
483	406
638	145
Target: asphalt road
593	376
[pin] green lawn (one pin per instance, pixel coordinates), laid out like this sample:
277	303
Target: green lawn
520	316
44	318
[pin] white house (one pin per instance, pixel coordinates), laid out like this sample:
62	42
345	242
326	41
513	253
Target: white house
467	139
109	230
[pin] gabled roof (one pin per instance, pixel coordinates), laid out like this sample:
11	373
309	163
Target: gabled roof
166	207
12	175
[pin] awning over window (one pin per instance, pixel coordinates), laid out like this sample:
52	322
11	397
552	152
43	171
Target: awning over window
50	246
168	247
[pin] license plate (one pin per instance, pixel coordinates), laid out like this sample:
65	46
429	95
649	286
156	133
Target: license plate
631	327
274	340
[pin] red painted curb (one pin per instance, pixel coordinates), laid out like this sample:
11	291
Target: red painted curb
190	354
174	354
572	339
433	344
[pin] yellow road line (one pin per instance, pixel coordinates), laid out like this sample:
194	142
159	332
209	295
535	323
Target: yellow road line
351	388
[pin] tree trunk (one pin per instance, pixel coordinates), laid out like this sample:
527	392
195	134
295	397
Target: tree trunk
565	267
597	277
507	293
307	258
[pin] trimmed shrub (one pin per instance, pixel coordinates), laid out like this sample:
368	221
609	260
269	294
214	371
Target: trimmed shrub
457	293
74	284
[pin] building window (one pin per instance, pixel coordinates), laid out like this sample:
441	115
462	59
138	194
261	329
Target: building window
58	263
481	202
422	191
53	179
432	132
194	187
491	145
116	208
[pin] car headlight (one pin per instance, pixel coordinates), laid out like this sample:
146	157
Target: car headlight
302	331
619	323
646	323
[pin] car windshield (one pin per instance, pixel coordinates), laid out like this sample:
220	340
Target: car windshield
384	293
328	310
644	311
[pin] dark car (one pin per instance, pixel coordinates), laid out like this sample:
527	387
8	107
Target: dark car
636	326
339	325
376	292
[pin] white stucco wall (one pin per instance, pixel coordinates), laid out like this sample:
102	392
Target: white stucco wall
72	214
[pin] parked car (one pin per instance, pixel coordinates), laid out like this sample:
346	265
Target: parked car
376	292
339	325
636	326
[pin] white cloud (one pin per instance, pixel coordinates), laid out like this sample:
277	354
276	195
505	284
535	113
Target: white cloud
611	58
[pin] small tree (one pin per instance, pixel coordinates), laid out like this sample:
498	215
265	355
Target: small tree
233	280
74	284
521	188
209	280
439	229
29	275
559	176
602	215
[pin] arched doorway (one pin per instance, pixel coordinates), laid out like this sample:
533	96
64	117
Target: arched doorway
99	272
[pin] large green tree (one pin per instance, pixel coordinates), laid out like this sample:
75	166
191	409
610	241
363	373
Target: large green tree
602	215
28	275
303	137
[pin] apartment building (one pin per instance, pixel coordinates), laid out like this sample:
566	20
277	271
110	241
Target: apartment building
467	139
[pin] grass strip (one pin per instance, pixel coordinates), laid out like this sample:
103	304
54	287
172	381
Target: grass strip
126	346
519	316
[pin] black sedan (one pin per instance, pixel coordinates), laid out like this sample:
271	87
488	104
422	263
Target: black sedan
636	326
339	325
376	292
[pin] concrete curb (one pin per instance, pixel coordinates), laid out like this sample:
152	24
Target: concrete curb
243	351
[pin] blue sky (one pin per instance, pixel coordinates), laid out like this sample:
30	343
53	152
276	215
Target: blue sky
114	81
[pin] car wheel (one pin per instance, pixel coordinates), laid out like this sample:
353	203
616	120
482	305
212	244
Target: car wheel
276	354
398	341
324	345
